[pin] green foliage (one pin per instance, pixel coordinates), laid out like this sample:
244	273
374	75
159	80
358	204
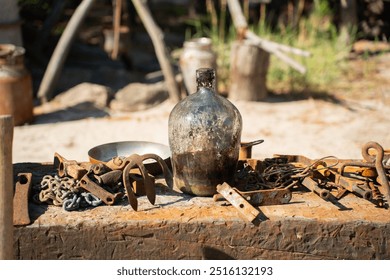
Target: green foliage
320	37
316	34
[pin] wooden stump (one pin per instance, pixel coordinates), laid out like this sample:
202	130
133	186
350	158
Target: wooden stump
248	71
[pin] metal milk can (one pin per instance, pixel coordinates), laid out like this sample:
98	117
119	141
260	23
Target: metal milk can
16	91
197	53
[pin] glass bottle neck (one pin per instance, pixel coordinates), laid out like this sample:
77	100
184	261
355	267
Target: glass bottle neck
205	78
205	88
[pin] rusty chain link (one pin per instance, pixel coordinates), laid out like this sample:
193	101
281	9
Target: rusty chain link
64	192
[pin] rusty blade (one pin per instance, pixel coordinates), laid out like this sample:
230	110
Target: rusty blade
22	193
240	203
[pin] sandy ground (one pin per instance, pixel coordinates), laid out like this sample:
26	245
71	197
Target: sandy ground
313	128
338	124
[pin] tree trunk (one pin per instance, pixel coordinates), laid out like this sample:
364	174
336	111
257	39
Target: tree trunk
248	71
159	46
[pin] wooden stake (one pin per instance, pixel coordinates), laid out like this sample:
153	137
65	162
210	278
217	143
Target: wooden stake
61	51
117	25
6	188
162	54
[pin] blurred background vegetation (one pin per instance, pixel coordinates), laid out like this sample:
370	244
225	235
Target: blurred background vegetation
313	25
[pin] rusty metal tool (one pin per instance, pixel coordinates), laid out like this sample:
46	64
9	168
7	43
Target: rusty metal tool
312	185
110	178
136	161
262	197
138	184
378	160
99	168
117	163
89	185
246	149
354	186
69	168
20	200
366	169
166	172
240	203
377	197
322	169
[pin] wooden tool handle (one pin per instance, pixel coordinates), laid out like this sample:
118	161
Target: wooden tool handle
6	188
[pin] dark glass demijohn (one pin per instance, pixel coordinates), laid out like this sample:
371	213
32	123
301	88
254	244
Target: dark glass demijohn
204	136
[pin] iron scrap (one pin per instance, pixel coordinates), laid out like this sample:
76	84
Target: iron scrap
20	201
68	168
367	178
88	184
262	197
239	202
78	185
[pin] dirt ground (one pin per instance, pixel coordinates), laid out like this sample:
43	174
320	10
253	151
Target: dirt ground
313	127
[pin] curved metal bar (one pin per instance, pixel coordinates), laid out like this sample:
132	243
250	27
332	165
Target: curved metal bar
379	166
166	172
136	161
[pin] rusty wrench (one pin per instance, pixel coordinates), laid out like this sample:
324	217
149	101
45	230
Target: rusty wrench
89	185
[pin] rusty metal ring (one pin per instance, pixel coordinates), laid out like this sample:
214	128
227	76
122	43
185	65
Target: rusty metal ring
372	158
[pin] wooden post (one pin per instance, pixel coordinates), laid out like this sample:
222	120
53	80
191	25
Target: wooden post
248	71
348	21
278	50
6	188
162	54
61	51
117	23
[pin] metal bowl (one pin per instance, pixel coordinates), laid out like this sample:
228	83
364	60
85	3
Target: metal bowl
104	153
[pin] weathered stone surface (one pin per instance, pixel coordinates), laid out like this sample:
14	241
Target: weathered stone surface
179	226
86	94
137	96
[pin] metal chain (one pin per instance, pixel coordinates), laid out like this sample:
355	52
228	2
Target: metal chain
54	190
64	192
277	174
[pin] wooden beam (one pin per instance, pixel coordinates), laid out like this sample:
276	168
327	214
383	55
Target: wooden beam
162	54
6	188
